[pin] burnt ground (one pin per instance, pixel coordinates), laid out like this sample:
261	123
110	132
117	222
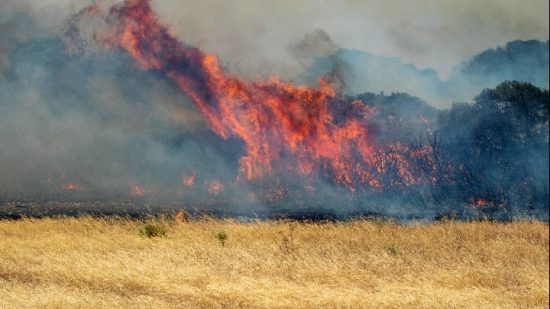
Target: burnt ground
35	207
39	207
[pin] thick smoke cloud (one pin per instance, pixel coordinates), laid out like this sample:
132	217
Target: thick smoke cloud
284	37
427	33
89	122
361	71
96	122
254	36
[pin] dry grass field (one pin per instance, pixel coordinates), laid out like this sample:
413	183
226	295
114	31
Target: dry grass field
87	262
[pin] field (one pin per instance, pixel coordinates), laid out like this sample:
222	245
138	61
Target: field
114	262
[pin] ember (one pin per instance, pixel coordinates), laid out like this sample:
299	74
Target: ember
71	186
136	190
188	180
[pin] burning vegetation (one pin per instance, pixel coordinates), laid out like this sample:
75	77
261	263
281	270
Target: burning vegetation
272	144
282	126
137	169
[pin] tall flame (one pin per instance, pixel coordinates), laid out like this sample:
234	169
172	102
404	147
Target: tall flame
273	118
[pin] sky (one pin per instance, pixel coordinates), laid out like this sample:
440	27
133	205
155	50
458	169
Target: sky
256	37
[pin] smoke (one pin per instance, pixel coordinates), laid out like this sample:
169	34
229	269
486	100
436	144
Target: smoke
92	109
23	20
254	37
437	34
361	71
97	122
314	44
418	45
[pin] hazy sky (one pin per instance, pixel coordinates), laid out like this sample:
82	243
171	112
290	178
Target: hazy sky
255	36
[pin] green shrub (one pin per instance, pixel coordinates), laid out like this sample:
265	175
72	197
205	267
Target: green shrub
152	230
393	249
221	236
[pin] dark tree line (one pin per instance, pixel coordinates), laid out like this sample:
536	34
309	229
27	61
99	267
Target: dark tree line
497	149
489	157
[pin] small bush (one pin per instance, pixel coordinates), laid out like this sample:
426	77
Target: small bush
152	230
221	236
393	249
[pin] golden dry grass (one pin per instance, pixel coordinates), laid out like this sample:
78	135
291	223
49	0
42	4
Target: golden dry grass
90	262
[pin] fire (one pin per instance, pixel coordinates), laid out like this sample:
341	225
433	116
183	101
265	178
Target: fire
188	180
479	202
215	186
179	217
273	118
138	191
71	186
425	121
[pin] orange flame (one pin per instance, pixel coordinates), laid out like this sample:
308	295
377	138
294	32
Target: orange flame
136	190
215	186
425	121
272	117
479	202
179	216
188	180
71	186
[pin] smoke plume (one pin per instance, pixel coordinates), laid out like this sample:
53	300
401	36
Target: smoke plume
120	99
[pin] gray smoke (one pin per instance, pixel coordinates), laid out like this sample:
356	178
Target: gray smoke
88	122
254	36
99	122
361	71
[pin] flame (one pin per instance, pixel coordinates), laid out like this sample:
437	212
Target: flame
215	186
479	202
138	191
425	121
71	186
273	118
188	180
179	217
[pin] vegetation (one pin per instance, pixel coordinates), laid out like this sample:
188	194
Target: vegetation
89	262
152	230
491	155
498	150
518	60
221	236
